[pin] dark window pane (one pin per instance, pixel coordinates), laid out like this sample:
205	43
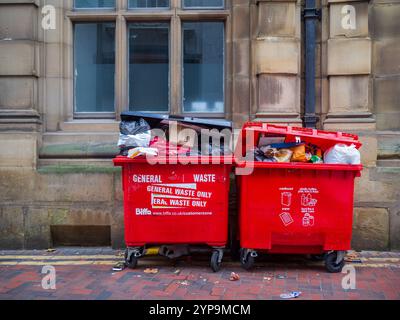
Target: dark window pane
148	3
203	3
203	46
86	4
94	58
149	66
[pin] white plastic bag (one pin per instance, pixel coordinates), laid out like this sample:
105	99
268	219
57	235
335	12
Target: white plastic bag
135	140
342	154
136	152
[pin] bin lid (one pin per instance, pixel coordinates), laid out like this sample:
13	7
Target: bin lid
322	139
154	120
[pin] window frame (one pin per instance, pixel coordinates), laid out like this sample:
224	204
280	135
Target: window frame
122	15
203	8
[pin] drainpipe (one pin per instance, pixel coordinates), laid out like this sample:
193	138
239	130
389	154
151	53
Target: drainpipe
310	14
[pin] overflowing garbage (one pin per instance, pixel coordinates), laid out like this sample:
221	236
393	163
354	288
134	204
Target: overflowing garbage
144	134
276	150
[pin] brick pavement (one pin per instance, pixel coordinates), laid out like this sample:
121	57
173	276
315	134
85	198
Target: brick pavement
86	274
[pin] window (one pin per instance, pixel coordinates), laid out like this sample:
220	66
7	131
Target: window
203	67
148	3
90	4
203	4
94	67
148	55
149	66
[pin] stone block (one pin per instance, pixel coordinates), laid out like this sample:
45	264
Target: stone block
241	96
74	187
394	228
339	26
385	19
18	22
334	1
81	215
349	56
19	58
278	94
16	184
387	56
277	19
18	150
241	58
349	94
387	103
369	150
389	145
277	55
54	60
37	228
370	191
371	229
11	228
241	22
388	121
18	92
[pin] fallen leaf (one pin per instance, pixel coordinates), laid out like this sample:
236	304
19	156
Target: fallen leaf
151	271
234	277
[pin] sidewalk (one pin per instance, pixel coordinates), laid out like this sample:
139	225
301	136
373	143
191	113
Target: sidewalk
87	274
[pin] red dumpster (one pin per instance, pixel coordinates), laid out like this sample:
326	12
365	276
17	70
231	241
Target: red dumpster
297	208
173	204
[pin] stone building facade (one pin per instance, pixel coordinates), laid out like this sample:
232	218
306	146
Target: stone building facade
57	182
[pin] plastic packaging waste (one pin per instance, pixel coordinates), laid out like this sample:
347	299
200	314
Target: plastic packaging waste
134	134
140	151
342	154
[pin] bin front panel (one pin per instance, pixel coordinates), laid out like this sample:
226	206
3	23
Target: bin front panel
167	204
298	211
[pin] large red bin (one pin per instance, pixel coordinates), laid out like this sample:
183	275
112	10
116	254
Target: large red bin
299	208
173	203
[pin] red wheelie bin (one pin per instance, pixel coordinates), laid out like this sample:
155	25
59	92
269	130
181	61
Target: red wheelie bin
293	207
173	204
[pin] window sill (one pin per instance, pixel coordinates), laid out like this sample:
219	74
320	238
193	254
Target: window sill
94	125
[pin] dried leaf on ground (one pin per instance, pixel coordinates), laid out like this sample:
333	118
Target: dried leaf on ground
151	271
234	277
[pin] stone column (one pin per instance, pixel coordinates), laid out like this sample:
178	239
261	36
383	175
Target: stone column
276	55
349	66
240	62
20	69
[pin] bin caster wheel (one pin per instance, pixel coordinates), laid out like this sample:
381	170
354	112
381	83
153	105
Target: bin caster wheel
216	260
331	263
130	262
247	259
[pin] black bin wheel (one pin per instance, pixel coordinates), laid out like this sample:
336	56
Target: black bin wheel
215	264
246	260
132	262
331	265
